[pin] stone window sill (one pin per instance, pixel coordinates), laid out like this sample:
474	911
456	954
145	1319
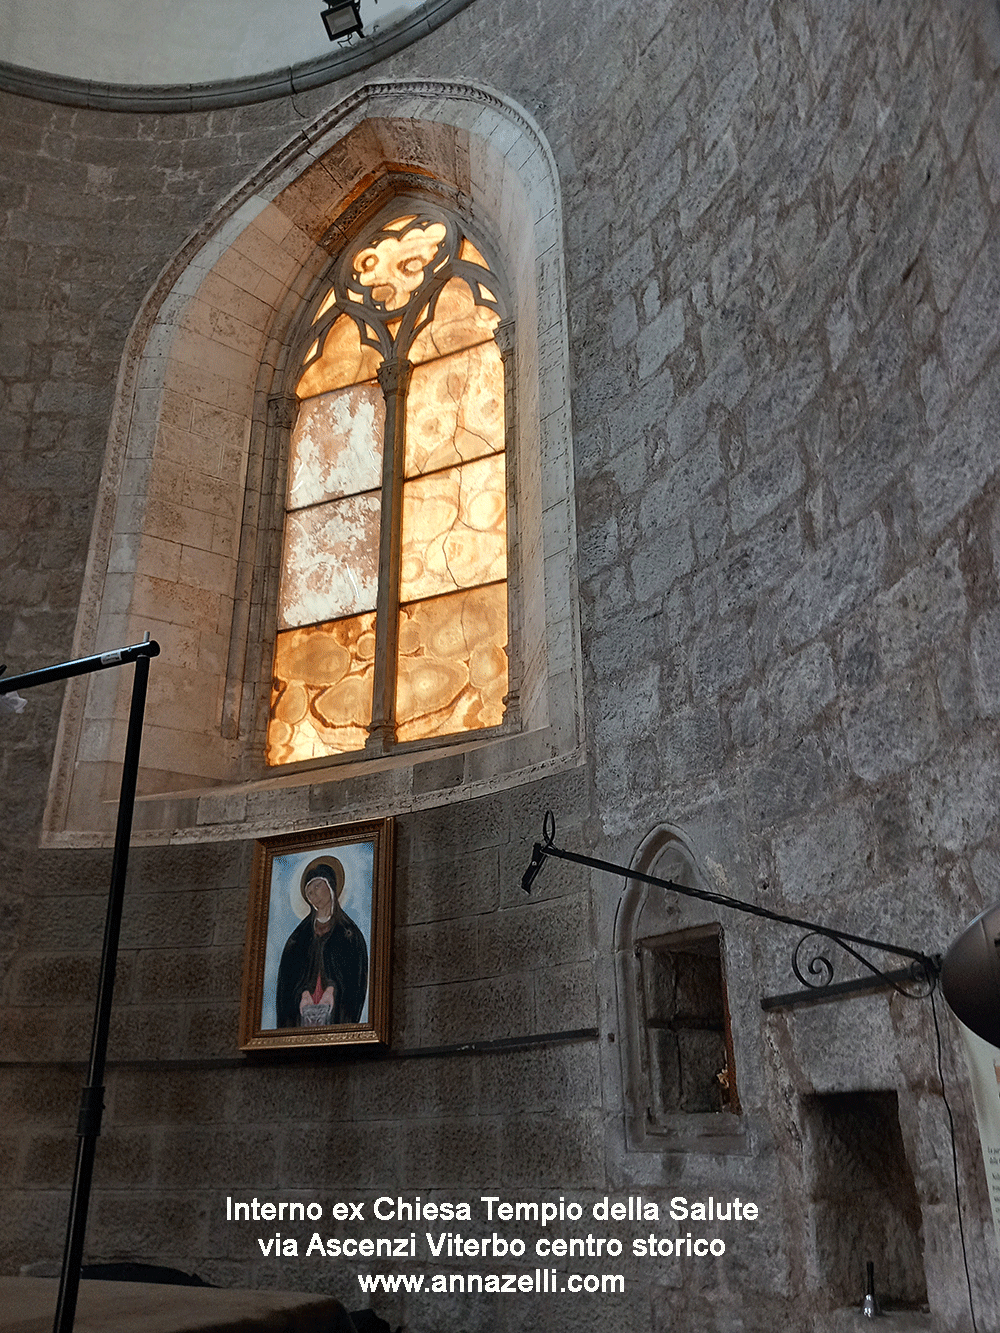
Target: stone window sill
340	792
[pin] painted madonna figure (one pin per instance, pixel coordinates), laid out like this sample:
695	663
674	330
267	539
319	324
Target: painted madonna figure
323	972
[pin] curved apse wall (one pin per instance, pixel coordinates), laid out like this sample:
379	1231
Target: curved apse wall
146	56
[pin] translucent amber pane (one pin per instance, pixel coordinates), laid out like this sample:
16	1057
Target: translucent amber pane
458	322
469	251
336	446
454	409
454	532
321	699
452	664
329	300
344	360
330	561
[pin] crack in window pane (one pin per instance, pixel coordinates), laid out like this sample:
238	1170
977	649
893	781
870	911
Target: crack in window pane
455	409
452	664
458	322
454	529
330	561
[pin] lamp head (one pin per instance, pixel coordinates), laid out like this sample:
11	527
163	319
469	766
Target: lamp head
970	976
342	19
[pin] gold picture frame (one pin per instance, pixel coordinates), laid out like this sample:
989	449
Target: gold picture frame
320	903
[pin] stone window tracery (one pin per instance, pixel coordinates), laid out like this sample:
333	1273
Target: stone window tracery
392	618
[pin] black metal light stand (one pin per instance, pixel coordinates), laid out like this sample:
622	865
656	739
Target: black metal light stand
923	969
92	1097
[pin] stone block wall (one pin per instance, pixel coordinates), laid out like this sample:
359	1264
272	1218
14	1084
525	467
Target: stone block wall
782	281
787	562
189	1122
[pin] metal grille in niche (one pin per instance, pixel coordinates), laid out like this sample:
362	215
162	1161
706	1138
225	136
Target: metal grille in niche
688	1040
392	618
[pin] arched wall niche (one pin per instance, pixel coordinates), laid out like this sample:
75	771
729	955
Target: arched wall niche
184	532
652	922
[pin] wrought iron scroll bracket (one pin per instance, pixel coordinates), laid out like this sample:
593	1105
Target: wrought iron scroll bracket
816	971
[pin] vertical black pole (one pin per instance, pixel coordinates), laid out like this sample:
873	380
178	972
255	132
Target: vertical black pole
92	1097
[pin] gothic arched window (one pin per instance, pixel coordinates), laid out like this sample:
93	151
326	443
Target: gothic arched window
392	615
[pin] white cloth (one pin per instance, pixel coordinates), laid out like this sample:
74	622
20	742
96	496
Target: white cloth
984	1068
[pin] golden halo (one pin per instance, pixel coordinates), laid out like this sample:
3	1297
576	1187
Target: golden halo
328	863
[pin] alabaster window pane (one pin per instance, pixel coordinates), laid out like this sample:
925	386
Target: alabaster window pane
458	322
330	561
452	672
329	300
454	532
454	409
468	251
394	268
321	702
344	360
336	446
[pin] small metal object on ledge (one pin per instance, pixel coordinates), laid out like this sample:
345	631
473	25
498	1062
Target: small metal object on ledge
869	1305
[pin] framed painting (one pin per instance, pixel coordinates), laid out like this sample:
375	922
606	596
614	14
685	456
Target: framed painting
319	939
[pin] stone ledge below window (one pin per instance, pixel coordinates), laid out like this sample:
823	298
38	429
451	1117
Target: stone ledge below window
397	784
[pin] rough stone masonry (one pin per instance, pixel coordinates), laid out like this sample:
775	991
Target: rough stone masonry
781	249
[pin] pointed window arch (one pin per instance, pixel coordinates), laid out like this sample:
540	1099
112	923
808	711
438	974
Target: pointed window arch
392	611
188	529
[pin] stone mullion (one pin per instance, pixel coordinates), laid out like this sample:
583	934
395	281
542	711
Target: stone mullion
394	378
504	338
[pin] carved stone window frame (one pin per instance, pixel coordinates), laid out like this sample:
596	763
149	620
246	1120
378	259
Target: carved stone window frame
202	378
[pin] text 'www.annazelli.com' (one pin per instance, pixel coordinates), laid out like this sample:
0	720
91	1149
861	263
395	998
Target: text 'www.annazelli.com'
541	1280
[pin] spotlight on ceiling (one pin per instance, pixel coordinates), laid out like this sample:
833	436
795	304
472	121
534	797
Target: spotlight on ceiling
342	20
